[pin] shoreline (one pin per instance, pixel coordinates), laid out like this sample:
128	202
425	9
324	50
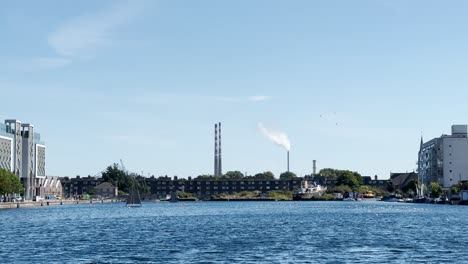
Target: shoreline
20	205
31	204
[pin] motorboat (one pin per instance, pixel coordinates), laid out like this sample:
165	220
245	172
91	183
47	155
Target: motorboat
308	191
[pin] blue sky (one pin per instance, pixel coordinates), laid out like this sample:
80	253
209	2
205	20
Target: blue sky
352	83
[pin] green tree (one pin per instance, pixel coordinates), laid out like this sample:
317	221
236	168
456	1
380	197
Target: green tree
287	175
234	175
117	177
328	173
455	189
340	189
9	183
343	177
269	175
349	178
436	190
204	177
123	181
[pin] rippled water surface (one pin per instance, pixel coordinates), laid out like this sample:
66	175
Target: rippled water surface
236	232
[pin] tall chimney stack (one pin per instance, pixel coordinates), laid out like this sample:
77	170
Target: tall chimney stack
288	160
220	157
314	169
216	151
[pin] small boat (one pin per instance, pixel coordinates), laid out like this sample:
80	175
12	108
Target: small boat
392	198
349	197
308	192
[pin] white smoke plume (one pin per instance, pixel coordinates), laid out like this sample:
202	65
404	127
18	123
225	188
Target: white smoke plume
277	137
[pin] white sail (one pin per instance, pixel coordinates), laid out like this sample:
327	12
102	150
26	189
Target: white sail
133	199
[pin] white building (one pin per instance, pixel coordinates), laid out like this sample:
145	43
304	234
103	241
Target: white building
445	159
23	153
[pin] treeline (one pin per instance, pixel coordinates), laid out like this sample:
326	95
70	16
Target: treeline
237	175
346	181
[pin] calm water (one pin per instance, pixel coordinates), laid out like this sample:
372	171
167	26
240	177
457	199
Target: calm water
241	232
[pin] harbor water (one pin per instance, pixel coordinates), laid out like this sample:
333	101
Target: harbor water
236	232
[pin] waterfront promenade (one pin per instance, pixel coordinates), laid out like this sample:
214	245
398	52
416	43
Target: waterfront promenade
30	204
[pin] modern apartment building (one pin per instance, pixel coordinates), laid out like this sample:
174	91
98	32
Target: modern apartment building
23	153
444	159
77	187
205	188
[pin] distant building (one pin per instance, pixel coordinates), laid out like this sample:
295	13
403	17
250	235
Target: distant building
205	188
106	190
444	159
23	153
51	186
76	187
400	180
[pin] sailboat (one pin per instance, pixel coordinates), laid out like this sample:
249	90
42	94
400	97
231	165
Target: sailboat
420	193
133	199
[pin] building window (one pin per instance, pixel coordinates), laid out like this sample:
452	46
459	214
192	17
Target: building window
450	146
450	171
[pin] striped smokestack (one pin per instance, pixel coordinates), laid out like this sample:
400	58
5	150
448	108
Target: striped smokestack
216	151
220	156
314	169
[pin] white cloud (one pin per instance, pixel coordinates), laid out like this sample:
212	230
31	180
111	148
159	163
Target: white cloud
82	35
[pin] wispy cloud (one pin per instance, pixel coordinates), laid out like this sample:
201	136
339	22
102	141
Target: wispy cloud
259	98
82	35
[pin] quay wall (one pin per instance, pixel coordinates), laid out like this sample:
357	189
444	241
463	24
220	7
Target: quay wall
30	204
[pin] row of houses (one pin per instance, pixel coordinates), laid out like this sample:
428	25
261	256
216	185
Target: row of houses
79	186
160	187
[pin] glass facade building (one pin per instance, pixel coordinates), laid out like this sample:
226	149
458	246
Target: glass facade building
23	152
